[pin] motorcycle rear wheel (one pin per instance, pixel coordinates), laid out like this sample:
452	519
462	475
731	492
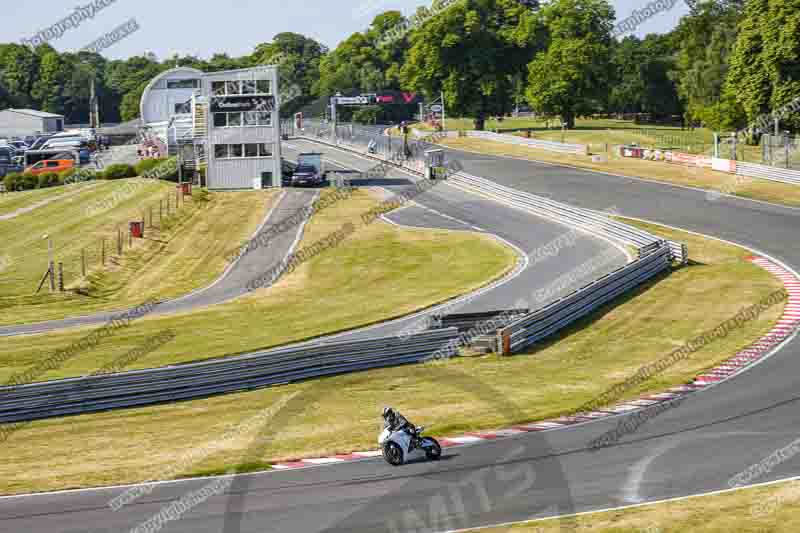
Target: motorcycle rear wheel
433	450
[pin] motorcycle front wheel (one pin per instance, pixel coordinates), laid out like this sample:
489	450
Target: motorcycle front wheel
393	454
433	450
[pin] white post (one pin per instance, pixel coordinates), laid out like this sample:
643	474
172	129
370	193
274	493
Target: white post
444	120
716	145
333	119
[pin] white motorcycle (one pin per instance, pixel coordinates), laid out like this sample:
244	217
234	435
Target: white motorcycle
399	446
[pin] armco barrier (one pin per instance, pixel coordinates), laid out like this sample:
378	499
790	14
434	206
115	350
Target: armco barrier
467	321
754	170
199	380
552	146
546	321
589	221
655	256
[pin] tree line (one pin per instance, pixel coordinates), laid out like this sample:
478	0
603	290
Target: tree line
44	79
726	64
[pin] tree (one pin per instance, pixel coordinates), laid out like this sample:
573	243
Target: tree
472	51
705	40
764	73
47	89
571	77
19	67
641	81
298	60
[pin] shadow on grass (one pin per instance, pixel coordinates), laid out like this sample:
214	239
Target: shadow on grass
595	316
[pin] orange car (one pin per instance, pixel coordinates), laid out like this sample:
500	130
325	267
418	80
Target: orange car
51	165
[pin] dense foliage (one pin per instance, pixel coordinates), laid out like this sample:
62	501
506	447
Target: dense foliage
726	64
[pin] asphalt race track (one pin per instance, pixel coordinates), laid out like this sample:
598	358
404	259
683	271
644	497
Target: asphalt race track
521	229
693	448
232	284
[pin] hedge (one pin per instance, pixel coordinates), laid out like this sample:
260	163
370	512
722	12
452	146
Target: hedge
119	171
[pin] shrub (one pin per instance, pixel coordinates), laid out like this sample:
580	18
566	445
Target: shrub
76	175
146	165
119	171
29	181
49	179
13	181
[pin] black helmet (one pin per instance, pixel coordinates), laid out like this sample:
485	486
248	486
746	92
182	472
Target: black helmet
388	412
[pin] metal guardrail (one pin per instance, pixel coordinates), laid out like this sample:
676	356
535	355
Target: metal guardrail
200	380
655	256
559	314
466	321
755	170
552	146
585	219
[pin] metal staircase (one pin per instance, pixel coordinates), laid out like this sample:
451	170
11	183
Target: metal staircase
199	117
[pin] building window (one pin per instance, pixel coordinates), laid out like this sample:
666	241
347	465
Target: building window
251	118
220	151
251	150
183	84
184	108
234	119
265	119
236	151
237	87
247	118
249	87
233	87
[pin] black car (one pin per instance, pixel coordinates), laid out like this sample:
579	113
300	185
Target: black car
306	175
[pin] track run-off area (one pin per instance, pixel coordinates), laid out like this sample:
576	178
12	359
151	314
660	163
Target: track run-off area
696	447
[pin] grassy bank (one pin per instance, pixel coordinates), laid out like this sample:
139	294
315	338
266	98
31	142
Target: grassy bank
180	253
599	134
12	201
379	272
341	413
756	189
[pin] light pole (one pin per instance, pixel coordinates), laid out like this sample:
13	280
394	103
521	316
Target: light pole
50	263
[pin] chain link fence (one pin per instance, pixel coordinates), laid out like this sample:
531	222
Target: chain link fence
780	151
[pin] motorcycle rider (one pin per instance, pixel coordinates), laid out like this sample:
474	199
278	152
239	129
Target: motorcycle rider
393	420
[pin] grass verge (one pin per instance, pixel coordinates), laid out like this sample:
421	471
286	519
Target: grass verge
12	201
378	273
598	134
182	252
767	509
756	189
340	413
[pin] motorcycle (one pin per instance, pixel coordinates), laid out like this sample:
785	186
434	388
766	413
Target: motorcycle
399	447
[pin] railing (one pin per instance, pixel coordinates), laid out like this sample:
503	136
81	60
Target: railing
467	321
559	314
755	170
552	146
655	255
584	219
199	380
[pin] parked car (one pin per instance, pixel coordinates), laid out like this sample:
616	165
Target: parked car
7	153
9	169
51	165
39	142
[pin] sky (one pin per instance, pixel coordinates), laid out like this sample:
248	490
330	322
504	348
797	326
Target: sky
201	27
